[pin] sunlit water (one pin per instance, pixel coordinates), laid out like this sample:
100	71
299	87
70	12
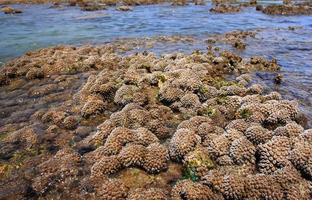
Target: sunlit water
40	26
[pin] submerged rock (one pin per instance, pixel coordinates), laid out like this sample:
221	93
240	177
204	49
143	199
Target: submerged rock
124	8
92	6
10	10
287	10
224	8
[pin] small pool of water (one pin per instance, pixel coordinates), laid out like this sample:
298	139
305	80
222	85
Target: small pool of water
41	26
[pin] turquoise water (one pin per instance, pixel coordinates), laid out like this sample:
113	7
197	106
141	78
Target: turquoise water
41	26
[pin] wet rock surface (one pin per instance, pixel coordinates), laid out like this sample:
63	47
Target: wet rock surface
10	10
90	123
287	10
225	8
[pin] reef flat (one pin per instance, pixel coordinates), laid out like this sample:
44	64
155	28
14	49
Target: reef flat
90	123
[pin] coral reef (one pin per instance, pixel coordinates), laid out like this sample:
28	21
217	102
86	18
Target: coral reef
95	124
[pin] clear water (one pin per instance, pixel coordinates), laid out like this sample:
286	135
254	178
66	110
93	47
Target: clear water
40	26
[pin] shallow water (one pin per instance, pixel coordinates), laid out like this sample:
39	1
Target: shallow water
40	26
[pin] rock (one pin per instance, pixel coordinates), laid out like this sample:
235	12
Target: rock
10	10
124	8
179	3
287	2
278	79
199	2
259	7
223	8
287	10
35	73
92	7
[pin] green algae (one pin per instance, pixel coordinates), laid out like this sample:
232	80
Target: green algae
3	135
197	160
208	111
245	113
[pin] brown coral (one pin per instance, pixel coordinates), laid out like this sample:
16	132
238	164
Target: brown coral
93	107
187	189
273	155
291	129
301	157
156	158
60	171
242	151
182	142
107	165
132	155
258	135
112	189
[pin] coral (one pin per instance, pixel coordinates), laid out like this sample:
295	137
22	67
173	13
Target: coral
93	107
272	111
156	158
307	135
128	94
263	187
132	155
189	103
291	129
117	139
238	124
132	125
207	131
112	189
255	89
54	116
70	122
182	142
60	171
219	146
187	189
301	157
106	165
107	90
145	137
233	187
168	94
273	96
273	155
194	123
244	77
258	135
160	128
282	111
232	90
242	151
29	136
